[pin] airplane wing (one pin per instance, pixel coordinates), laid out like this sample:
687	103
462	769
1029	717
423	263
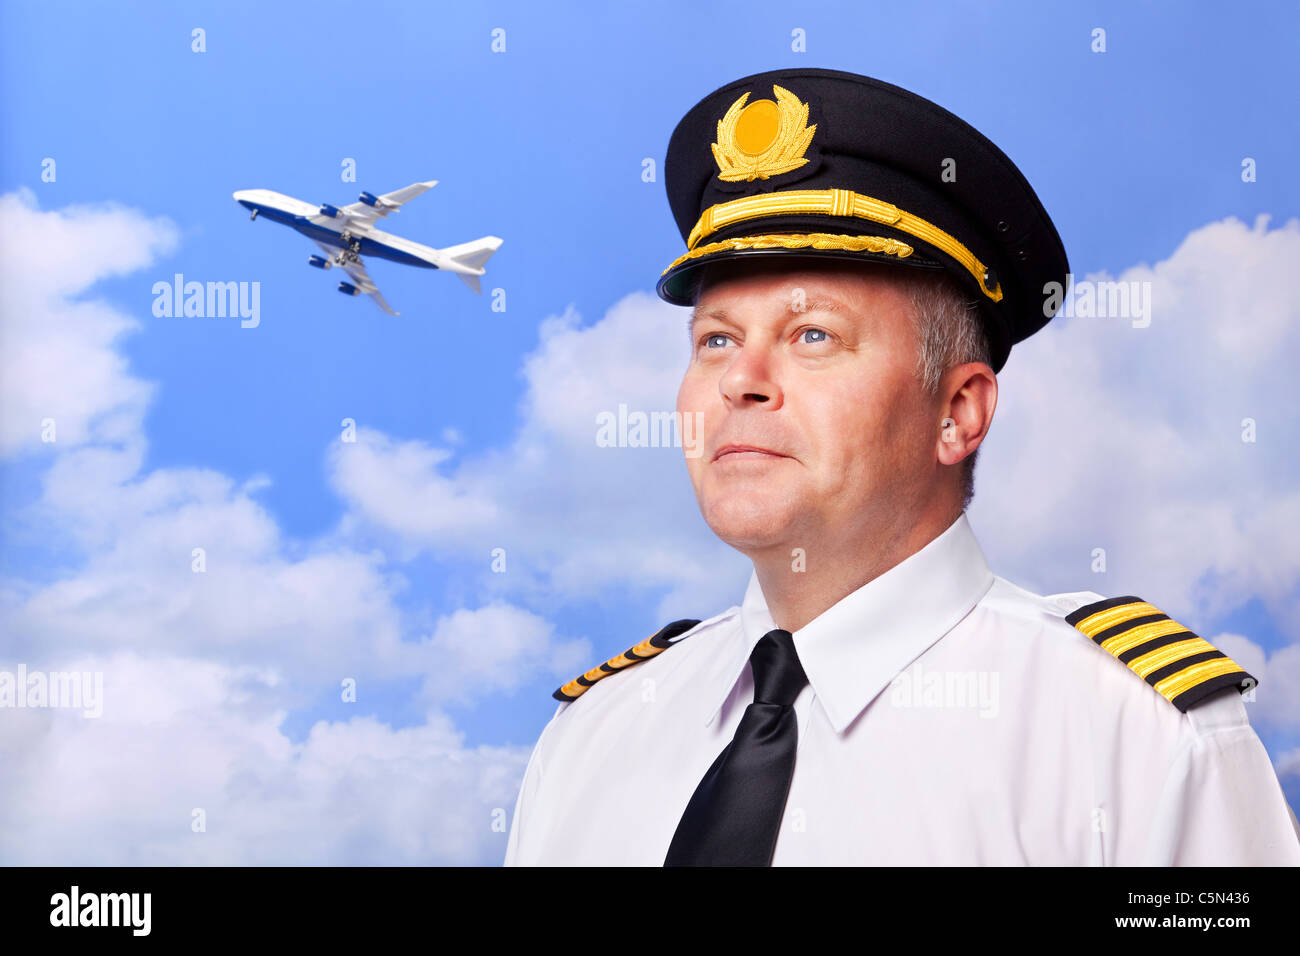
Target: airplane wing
356	269
388	202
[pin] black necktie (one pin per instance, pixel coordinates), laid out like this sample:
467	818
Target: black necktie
735	814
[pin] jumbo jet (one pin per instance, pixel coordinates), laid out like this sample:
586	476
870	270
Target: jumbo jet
347	233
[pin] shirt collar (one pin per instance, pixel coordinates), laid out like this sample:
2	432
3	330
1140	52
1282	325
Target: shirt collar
852	650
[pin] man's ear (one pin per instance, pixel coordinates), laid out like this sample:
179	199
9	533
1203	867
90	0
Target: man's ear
970	394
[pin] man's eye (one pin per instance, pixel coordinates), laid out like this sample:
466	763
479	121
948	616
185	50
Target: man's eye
813	336
716	341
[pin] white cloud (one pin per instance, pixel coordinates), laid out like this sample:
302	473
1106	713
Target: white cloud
398	487
1108	436
495	648
576	519
1275	705
57	359
202	669
1130	439
181	734
1288	774
315	614
1288	765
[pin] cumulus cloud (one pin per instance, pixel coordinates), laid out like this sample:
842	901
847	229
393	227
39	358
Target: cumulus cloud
1128	438
57	360
188	765
1107	435
1288	771
578	519
397	485
1123	434
1111	433
495	648
1274	705
209	627
144	537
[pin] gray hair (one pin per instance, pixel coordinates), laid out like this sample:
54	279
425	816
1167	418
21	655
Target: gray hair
951	333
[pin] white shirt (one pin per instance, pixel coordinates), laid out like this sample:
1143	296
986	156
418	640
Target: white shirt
951	717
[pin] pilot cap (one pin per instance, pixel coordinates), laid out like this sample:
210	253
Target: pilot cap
826	164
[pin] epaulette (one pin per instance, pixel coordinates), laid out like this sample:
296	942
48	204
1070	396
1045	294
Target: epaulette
652	646
1182	667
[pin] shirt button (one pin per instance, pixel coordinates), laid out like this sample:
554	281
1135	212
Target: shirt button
1068	604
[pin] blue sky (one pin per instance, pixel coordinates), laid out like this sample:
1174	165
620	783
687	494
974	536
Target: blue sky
1132	151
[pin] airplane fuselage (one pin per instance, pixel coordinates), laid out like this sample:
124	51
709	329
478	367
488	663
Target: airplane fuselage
363	239
347	235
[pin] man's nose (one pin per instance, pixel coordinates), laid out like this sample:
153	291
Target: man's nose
751	378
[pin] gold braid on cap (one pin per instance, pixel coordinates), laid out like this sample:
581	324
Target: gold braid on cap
811	240
843	203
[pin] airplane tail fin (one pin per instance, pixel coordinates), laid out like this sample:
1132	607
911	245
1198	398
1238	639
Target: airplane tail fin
472	255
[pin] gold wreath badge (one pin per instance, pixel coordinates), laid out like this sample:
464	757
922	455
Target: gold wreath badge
762	139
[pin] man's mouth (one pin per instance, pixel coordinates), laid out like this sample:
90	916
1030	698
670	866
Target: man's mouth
737	452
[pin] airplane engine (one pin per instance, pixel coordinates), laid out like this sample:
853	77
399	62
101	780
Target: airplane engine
370	199
332	211
347	288
320	262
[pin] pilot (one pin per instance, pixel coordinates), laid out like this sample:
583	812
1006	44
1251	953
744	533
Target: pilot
859	263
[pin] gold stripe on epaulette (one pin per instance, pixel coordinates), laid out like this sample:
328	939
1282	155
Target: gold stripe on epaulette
1171	653
1094	624
633	655
652	646
1183	667
1190	677
645	648
1141	634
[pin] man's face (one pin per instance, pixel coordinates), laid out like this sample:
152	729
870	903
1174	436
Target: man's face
813	420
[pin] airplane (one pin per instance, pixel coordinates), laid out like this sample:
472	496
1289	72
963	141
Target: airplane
347	233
